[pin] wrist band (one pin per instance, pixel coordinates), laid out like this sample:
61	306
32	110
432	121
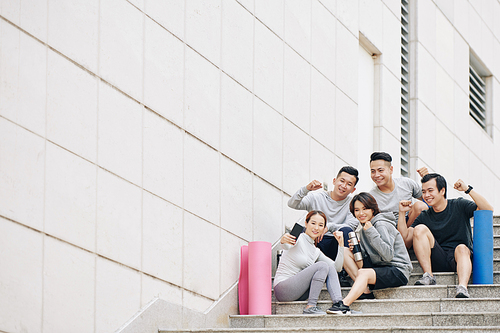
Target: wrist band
469	189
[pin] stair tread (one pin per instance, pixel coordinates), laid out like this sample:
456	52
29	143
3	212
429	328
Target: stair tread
343	329
402	300
399	314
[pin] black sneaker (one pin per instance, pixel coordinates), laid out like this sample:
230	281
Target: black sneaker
366	296
339	308
344	279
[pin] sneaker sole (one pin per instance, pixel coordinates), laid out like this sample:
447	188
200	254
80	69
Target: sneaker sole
423	284
338	312
461	295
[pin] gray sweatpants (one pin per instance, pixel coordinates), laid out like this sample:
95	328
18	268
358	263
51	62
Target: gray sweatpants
307	284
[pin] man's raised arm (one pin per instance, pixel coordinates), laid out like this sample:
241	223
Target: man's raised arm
299	199
481	202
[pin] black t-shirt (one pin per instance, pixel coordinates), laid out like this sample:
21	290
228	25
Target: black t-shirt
450	227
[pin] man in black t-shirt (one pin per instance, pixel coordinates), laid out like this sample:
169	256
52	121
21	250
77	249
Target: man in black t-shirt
442	235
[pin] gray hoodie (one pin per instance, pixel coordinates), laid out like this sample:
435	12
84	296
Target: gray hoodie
384	244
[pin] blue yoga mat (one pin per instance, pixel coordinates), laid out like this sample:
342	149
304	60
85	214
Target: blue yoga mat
482	267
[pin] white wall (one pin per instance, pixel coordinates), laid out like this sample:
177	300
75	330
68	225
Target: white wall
448	140
143	142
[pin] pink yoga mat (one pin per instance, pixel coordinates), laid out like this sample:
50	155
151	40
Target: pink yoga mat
259	278
243	281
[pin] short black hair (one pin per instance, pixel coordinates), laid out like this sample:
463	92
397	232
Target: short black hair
440	181
350	170
379	155
367	200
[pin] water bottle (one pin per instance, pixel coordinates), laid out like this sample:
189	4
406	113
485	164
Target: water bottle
357	249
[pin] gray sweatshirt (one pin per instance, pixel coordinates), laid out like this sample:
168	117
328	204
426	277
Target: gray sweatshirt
384	244
337	212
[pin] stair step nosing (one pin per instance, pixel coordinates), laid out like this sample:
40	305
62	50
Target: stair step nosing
400	314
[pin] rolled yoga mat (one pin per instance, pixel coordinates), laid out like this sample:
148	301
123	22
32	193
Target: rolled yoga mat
259	278
243	281
482	265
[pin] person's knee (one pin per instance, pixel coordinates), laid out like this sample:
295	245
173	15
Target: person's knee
462	250
323	267
418	207
420	231
364	273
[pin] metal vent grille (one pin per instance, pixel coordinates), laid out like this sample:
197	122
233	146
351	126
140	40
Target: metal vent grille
405	96
477	97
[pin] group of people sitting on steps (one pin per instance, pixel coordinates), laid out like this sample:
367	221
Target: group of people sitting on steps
387	223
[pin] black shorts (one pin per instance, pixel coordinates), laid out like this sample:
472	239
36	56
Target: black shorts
386	276
443	260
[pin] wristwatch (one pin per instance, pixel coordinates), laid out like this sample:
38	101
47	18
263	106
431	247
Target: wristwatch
469	189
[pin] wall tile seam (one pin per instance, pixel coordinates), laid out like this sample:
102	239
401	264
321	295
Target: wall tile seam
310	90
471	123
135	100
253	114
455	27
417	40
282	98
381	127
98	255
152	110
146	190
143	112
439	64
46	49
98	109
383	64
223	71
184	251
142	188
349	30
471	151
478	14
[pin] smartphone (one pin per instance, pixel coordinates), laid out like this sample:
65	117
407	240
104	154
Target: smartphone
297	230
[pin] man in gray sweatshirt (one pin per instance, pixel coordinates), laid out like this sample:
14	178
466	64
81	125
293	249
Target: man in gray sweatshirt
335	205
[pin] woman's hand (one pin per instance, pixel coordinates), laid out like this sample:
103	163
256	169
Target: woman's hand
367	225
288	239
339	236
351	246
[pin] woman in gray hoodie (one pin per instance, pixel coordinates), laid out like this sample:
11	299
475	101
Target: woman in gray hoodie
385	263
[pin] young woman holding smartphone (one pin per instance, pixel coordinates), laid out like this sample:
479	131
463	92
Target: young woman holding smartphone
303	268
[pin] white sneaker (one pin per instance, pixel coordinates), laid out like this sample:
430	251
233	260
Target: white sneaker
462	292
426	280
314	310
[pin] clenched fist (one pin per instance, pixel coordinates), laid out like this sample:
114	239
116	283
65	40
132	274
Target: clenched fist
314	185
460	186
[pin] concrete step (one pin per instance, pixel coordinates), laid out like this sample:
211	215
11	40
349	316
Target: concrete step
496	253
418	269
413	329
411	291
437	291
394	306
433	319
